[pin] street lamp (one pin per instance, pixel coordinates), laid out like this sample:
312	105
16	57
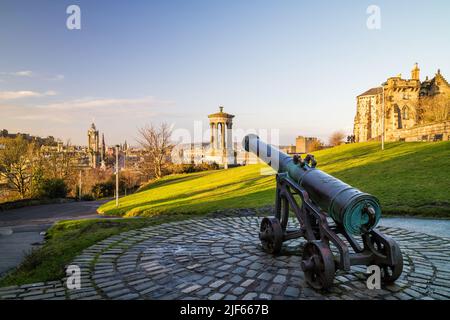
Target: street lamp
383	118
117	175
79	187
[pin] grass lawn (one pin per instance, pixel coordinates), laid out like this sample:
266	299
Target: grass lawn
66	240
408	178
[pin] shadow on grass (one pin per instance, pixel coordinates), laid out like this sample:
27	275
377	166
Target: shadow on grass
250	200
189	196
171	180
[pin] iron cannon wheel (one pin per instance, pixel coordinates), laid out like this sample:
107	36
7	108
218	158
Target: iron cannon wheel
318	265
271	235
390	273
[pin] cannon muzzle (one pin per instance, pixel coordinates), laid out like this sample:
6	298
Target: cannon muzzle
356	211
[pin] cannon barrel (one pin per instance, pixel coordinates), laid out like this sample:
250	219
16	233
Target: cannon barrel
356	211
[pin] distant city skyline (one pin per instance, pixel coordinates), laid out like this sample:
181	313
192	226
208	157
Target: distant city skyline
294	66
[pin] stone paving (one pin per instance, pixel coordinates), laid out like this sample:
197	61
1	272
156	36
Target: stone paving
222	259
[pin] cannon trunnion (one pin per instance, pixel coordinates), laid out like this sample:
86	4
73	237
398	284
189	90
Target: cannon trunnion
314	197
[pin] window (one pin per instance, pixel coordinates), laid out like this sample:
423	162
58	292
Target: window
405	113
397	118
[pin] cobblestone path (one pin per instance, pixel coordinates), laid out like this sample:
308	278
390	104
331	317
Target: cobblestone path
222	259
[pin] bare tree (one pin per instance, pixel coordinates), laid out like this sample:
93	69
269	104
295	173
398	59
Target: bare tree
158	146
61	165
15	164
336	138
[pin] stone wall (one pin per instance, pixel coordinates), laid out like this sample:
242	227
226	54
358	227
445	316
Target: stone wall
425	132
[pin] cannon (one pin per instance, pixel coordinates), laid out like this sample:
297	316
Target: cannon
337	220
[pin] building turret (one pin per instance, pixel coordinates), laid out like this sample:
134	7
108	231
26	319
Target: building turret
415	72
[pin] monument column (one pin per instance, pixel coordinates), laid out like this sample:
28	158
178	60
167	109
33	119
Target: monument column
217	142
214	135
211	126
222	128
229	145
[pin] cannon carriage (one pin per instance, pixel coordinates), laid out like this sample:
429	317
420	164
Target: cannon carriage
314	197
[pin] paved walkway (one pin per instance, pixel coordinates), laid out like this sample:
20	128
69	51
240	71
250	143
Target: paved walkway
222	259
433	227
23	229
49	213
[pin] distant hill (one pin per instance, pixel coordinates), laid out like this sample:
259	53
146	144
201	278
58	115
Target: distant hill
408	178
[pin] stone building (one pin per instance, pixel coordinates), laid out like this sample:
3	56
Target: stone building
305	144
414	110
95	151
290	149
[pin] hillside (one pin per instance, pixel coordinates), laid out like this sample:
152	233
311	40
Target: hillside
408	178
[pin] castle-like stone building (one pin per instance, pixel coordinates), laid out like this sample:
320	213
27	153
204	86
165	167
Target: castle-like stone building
413	110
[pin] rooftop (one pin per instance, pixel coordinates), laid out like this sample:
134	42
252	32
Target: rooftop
372	92
220	114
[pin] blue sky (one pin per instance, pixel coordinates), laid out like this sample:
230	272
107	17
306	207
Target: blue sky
296	66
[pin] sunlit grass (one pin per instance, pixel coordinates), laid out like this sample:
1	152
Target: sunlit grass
412	178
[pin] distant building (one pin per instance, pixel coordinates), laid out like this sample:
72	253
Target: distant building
413	110
305	144
95	156
288	149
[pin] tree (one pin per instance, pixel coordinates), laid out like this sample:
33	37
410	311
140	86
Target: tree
61	165
54	188
434	108
103	189
316	145
15	164
336	138
157	147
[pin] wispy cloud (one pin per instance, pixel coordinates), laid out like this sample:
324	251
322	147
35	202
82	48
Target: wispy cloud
12	95
79	110
32	74
94	104
26	73
44	117
57	77
22	73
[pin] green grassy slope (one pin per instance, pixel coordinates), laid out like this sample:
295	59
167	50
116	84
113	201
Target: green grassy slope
408	178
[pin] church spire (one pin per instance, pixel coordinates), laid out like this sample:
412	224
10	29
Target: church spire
103	151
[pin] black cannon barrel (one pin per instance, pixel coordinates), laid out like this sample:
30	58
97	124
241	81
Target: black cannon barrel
356	211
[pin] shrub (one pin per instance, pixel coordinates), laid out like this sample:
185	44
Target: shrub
53	188
103	189
190	168
87	197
